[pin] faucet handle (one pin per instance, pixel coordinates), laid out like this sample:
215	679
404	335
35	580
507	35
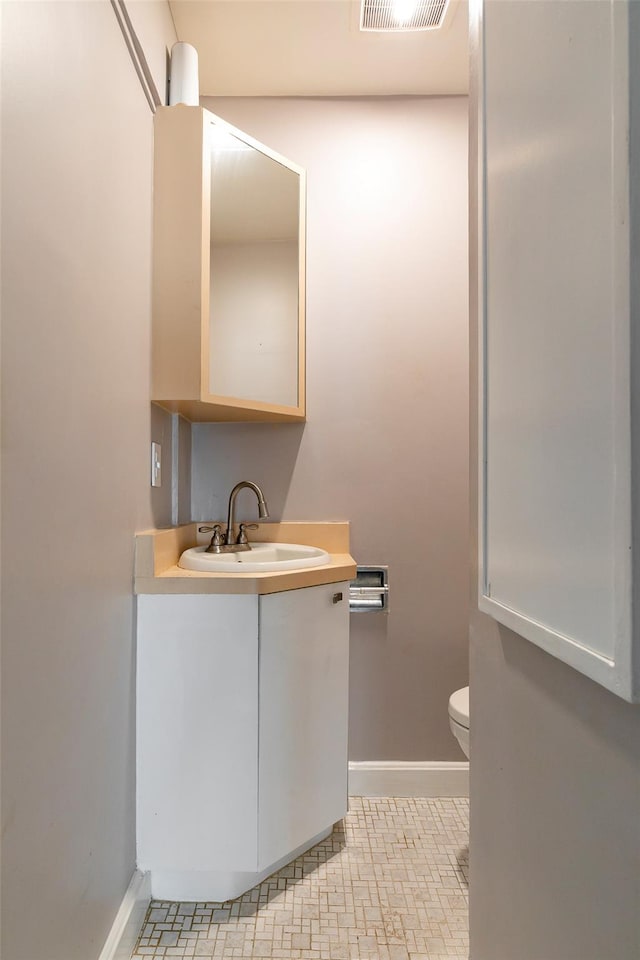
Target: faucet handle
216	539
242	536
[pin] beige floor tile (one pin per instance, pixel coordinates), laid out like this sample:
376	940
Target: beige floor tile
389	884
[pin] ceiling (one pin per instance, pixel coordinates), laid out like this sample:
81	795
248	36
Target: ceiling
315	48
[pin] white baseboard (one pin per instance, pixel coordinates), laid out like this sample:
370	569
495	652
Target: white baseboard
129	918
397	778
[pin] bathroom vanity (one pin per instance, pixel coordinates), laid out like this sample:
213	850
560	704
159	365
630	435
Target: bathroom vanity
242	713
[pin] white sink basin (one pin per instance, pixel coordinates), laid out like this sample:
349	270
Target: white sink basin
262	558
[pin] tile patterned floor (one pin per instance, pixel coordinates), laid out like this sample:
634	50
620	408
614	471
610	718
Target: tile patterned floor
389	884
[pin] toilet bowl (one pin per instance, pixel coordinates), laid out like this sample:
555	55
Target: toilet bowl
459	718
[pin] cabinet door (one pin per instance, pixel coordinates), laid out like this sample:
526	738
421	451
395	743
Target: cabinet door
197	732
304	667
558	356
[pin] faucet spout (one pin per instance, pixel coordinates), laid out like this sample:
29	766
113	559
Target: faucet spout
263	510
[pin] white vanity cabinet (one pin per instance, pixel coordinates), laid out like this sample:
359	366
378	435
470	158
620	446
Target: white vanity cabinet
242	734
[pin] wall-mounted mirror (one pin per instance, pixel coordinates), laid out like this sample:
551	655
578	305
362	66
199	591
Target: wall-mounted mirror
255	272
229	273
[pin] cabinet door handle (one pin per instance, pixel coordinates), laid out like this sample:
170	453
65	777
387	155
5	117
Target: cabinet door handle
337	597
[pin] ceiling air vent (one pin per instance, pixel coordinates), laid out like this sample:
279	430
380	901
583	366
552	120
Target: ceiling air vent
394	15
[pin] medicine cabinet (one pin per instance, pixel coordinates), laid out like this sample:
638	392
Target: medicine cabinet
559	299
228	273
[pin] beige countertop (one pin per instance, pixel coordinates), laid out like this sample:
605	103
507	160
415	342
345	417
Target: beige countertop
158	552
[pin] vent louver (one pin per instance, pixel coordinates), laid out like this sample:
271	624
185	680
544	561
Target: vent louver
399	15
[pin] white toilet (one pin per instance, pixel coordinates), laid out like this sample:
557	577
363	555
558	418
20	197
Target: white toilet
459	717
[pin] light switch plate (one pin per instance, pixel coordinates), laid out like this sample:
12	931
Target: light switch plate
156	465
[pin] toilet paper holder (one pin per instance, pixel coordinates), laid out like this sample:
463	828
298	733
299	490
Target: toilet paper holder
369	592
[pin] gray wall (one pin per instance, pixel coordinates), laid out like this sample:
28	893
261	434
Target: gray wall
555	780
385	445
77	423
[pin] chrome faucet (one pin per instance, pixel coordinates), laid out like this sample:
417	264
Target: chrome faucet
263	512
